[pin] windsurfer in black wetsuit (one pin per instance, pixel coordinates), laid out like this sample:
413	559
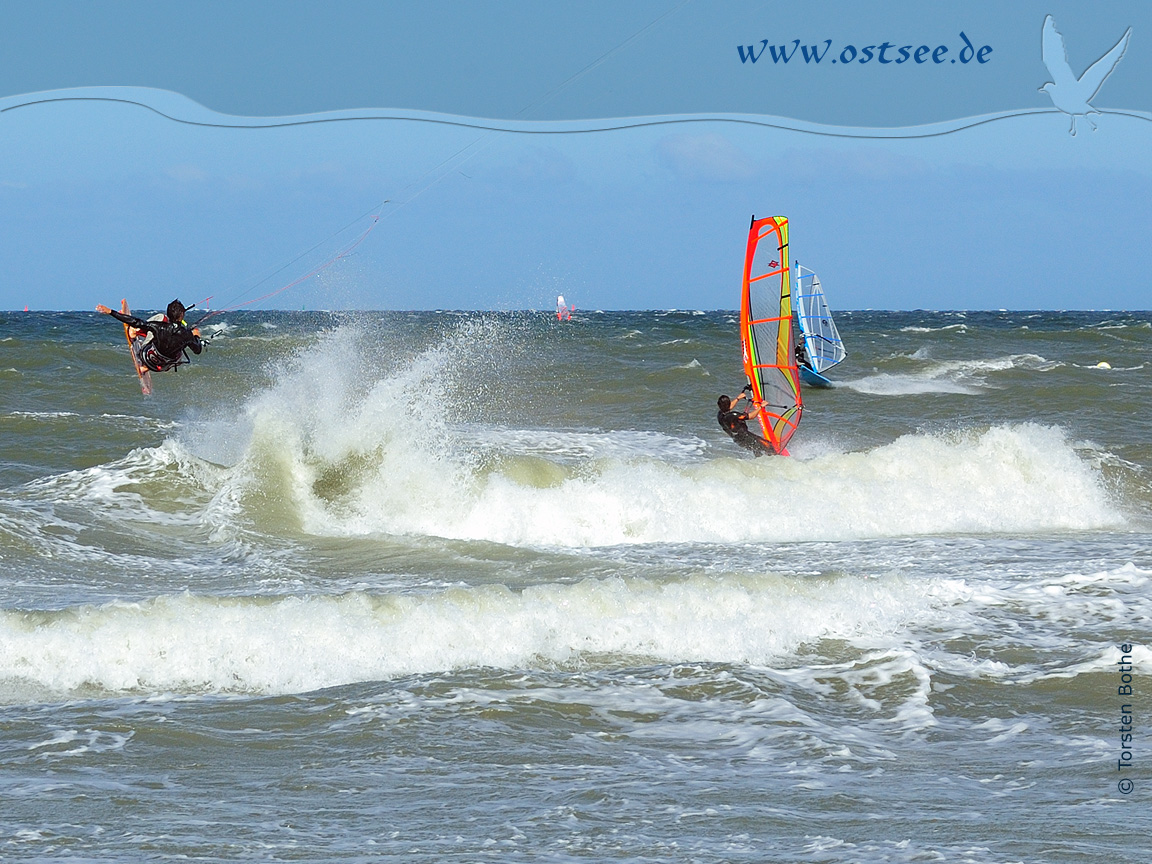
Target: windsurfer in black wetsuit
735	423
160	342
802	354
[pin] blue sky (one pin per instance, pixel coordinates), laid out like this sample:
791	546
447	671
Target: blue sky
100	200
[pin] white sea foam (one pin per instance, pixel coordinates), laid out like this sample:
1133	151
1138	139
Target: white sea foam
900	624
963	328
890	384
134	419
295	644
576	446
739	709
1056	619
119	491
1109	660
947	376
1006	479
45	414
73	742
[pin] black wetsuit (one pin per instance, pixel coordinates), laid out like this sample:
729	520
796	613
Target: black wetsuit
802	356
734	423
165	350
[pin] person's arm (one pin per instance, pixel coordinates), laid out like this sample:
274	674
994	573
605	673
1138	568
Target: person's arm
189	337
131	321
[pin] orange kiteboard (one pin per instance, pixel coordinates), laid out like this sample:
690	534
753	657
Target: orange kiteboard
142	371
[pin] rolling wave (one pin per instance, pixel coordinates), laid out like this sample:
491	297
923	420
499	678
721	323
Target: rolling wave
327	453
190	643
895	625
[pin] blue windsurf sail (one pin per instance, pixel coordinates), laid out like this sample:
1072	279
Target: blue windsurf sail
823	347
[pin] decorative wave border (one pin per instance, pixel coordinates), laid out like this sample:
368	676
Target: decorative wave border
180	109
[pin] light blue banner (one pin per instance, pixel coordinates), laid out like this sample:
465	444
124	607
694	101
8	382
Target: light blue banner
841	64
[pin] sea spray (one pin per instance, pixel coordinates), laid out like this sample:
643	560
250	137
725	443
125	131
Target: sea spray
334	454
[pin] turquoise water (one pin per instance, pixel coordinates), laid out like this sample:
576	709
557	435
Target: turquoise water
420	585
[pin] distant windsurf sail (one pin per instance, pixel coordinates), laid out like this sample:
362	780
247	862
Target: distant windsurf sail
766	330
822	341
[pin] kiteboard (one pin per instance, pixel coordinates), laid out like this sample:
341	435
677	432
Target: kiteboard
141	371
766	334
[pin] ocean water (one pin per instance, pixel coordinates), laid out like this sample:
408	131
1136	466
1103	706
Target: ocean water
419	586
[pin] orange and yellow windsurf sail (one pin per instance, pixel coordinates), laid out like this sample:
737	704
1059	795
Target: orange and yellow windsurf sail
766	331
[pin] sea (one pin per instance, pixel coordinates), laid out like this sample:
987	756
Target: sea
428	586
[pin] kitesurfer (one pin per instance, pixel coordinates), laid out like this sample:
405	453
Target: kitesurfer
735	423
160	342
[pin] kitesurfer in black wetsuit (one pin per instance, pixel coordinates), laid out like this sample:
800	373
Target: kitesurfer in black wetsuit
735	423
160	342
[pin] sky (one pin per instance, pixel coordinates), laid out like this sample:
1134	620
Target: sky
626	148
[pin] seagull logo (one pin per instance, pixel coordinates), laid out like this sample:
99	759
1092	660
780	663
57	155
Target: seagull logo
1069	93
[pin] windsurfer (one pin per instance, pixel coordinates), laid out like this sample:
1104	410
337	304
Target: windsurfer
801	354
563	312
735	423
160	342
